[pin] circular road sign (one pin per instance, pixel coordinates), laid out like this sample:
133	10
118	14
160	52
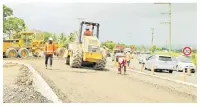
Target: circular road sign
187	51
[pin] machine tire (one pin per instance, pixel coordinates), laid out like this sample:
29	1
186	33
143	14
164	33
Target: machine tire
170	71
76	58
11	50
21	51
36	53
100	65
60	52
67	60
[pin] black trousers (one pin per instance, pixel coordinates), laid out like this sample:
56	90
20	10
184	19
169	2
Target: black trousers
47	56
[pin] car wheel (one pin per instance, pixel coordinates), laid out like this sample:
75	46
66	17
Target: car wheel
145	67
170	71
177	68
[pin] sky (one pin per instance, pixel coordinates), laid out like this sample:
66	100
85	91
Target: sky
127	23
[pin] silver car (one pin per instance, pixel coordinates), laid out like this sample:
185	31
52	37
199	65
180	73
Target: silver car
160	62
183	63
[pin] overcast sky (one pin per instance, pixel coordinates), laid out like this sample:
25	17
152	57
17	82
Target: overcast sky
127	23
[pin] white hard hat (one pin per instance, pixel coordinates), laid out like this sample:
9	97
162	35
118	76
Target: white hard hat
50	39
87	27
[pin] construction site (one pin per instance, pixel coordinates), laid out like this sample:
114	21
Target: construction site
85	69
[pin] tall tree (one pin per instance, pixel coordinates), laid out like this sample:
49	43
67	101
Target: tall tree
7	12
11	24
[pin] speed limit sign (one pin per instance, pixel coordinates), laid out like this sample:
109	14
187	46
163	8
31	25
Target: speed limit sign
187	51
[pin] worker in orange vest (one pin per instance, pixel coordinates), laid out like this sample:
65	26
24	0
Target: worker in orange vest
87	32
49	50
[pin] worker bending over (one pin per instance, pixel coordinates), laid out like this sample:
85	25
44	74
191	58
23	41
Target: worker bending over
49	50
87	32
122	64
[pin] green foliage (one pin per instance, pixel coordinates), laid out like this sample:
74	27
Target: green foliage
194	58
133	47
47	35
109	44
12	24
7	12
153	48
62	39
143	48
54	37
71	38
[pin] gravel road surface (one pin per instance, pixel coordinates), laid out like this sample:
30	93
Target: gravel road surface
89	86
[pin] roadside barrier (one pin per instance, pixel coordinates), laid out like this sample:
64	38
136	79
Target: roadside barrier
189	71
183	75
152	69
115	63
142	68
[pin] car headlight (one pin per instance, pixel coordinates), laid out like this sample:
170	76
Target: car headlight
181	67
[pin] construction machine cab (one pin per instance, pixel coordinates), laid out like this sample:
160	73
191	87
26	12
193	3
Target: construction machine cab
25	38
94	28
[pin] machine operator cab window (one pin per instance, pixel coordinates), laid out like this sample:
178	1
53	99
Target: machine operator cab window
89	29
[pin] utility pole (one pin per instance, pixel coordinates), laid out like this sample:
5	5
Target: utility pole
168	22
152	29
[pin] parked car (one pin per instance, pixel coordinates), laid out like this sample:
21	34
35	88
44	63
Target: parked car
183	63
143	58
161	62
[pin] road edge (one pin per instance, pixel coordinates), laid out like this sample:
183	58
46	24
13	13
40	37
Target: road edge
39	83
172	80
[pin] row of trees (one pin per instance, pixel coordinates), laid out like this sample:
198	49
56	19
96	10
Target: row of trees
110	45
62	39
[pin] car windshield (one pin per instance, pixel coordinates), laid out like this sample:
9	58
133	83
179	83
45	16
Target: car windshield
185	60
165	58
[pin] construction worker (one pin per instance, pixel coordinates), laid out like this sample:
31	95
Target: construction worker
49	50
87	32
104	51
121	60
128	58
122	64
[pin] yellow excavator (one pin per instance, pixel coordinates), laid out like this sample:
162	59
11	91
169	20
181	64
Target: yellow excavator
86	49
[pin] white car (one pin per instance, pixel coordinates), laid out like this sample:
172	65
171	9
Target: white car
183	63
160	62
143	58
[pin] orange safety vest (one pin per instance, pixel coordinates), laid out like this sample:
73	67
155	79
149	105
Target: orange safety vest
88	33
49	48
